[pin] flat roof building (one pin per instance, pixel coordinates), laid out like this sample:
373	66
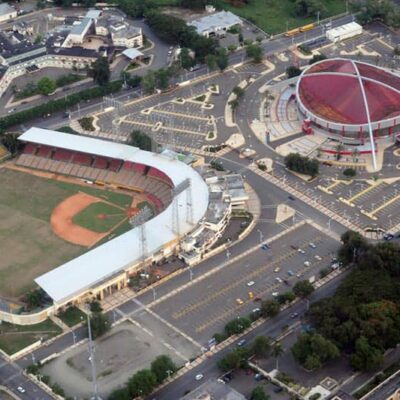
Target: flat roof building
7	12
215	24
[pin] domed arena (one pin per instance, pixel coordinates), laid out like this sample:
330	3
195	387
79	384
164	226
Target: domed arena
349	100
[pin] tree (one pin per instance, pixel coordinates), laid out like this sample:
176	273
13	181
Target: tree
349	172
34	298
238	91
354	245
261	346
312	350
237	325
142	383
99	324
286	297
163	367
234	359
162	79
276	352
317	57
255	52
11	143
211	61
270	308
185	58
149	82
222	59
293	71
303	165
303	289
141	140
259	394
46	86
100	71
119	394
366	357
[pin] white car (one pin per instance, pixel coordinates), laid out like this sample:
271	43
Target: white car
312	245
317	257
279	279
21	389
256	310
301	251
307	263
275	294
199	377
251	283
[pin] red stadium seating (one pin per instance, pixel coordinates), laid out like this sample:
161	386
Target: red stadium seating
139	168
63	155
30	148
100	162
128	165
82	159
155	200
115	165
44	151
156	173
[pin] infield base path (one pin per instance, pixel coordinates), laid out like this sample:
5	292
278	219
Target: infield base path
62	225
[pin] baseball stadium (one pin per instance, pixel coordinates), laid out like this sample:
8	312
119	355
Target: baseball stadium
349	100
76	208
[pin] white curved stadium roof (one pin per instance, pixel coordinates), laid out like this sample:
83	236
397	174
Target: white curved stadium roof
88	270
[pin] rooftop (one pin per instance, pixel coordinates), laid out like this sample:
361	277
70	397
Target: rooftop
348	92
5	9
124	31
112	257
214	21
213	390
78	29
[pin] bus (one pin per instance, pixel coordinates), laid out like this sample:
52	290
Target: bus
292	32
307	27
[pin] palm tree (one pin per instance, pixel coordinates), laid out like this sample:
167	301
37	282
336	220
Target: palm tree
276	352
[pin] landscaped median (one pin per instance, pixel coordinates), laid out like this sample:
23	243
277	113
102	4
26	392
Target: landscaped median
14	338
58	105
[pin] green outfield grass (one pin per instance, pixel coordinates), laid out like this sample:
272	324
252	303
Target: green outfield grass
272	15
15	337
89	218
28	246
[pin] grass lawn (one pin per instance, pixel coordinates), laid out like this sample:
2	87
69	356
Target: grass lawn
271	15
71	316
15	337
89	218
28	246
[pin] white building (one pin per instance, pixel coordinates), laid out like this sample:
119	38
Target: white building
7	12
344	32
215	24
124	35
78	32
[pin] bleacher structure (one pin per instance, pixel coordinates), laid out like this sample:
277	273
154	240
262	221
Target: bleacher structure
101	170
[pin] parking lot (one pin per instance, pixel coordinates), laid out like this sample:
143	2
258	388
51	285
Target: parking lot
206	306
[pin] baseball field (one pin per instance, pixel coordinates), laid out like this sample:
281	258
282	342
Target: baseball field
46	222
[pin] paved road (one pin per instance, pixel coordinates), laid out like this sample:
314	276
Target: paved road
271	328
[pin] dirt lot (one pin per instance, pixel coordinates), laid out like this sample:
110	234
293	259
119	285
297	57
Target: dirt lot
27	243
119	355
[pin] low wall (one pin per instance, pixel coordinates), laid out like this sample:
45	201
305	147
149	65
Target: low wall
26	319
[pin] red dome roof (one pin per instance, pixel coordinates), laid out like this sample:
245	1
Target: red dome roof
334	90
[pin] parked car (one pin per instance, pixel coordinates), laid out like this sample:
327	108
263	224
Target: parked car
199	377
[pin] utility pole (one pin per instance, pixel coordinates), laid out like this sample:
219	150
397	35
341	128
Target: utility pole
92	361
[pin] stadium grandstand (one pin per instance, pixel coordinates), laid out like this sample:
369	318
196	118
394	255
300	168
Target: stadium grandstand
351	101
108	266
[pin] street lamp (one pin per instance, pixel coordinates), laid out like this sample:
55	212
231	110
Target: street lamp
154	293
261	235
228	254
